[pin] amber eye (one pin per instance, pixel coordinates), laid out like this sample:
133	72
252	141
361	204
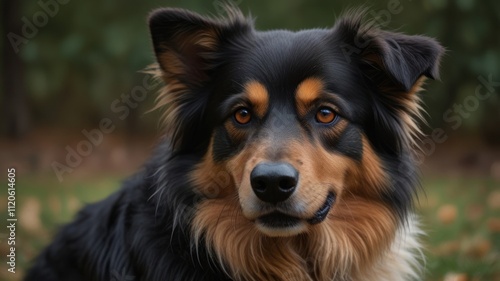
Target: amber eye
242	116
325	115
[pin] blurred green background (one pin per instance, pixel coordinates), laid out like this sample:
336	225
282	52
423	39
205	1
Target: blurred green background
66	63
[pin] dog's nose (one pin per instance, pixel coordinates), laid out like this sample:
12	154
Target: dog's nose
274	182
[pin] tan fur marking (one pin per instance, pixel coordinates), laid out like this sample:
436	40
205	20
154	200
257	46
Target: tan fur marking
172	63
320	173
211	179
206	39
307	91
402	261
410	112
168	96
258	96
368	178
192	45
413	113
337	130
357	232
236	134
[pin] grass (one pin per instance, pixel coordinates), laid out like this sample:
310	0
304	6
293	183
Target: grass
461	220
42	205
459	216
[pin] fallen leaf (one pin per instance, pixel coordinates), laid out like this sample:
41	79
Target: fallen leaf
74	204
29	214
447	214
447	248
478	248
474	212
494	225
55	205
494	200
495	170
455	277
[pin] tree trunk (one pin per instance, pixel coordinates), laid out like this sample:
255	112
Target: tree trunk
15	110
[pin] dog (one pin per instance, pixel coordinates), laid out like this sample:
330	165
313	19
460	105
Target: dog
287	156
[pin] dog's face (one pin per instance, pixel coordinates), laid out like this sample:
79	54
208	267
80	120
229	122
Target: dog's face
285	151
296	129
288	141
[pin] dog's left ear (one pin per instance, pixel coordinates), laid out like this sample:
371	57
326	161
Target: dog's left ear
391	59
404	58
394	64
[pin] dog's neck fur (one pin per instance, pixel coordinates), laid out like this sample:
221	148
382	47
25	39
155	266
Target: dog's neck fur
329	251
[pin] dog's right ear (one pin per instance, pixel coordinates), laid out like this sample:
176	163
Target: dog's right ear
185	43
188	48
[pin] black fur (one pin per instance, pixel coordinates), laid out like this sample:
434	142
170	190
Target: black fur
349	143
142	232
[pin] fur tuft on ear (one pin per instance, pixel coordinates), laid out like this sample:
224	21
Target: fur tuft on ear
395	66
186	46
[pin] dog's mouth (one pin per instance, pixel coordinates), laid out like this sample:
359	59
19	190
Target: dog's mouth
278	220
322	212
280	224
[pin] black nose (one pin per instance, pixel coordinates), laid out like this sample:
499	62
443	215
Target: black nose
274	182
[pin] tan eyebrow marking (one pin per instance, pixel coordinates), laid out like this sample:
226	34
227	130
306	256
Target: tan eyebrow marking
307	91
258	96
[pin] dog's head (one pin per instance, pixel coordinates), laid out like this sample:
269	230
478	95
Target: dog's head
297	132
